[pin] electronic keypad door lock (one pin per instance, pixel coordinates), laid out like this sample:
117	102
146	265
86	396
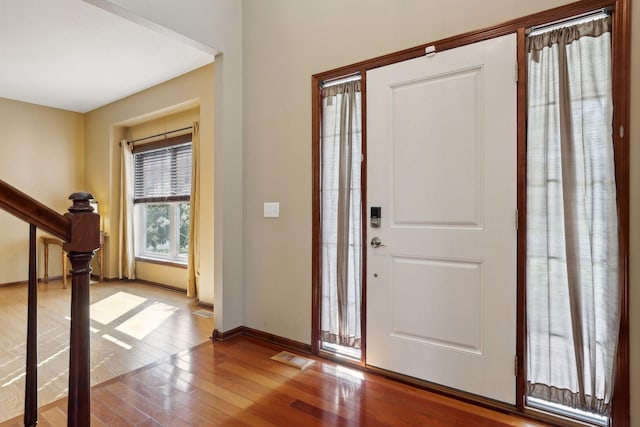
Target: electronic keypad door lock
376	213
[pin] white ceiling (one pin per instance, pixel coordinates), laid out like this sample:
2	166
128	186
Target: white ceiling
73	55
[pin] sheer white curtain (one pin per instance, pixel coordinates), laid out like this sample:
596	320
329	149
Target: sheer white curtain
193	257
341	210
573	298
126	260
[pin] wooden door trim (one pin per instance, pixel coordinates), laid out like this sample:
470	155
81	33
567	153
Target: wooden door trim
621	94
470	37
621	63
521	326
316	219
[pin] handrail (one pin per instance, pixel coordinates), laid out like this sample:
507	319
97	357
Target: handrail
80	231
33	212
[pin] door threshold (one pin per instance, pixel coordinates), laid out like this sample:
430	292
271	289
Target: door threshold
567	412
341	351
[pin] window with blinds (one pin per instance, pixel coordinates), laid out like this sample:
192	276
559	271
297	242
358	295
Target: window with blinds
163	175
162	190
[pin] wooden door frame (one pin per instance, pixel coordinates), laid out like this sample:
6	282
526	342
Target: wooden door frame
621	61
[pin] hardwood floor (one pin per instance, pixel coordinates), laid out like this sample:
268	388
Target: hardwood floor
153	365
133	325
236	383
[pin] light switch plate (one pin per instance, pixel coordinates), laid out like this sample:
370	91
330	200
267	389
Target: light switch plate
272	210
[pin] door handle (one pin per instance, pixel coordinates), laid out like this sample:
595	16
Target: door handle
376	242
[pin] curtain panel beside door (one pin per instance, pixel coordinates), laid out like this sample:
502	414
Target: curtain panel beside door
573	296
341	143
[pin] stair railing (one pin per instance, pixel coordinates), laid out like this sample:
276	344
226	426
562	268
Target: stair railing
79	229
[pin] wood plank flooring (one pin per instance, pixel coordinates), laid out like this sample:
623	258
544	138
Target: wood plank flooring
133	325
153	365
235	383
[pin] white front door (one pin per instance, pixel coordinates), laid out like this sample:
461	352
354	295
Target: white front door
441	165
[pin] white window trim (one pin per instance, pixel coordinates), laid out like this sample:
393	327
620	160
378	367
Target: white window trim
140	227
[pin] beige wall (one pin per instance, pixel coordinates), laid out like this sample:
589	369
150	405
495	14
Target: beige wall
304	38
263	136
217	24
174	277
164	107
42	154
285	42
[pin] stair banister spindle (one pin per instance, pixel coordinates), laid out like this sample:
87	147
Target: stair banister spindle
31	377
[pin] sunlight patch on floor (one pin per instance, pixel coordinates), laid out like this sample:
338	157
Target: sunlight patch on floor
143	323
14	379
53	356
110	308
61	375
112	353
10	361
117	341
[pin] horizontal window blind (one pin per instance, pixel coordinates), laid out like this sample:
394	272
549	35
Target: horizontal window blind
163	175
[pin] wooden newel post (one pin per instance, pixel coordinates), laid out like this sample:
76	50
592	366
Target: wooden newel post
85	239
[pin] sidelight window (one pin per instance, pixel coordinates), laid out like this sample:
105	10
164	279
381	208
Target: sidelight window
341	210
573	287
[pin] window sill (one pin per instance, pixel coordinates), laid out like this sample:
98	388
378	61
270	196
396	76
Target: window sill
159	261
